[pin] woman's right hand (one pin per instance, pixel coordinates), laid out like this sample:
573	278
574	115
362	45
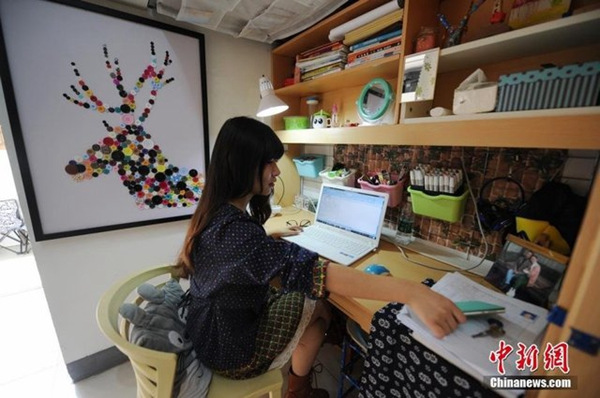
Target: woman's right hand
438	313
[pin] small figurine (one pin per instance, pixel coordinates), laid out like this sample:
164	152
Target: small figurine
321	120
497	14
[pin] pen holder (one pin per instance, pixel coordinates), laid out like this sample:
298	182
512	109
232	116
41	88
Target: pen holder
441	206
394	191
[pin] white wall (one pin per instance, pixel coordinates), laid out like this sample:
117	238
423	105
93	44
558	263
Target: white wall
76	271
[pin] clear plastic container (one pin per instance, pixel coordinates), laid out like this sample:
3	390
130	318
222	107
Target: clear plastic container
404	234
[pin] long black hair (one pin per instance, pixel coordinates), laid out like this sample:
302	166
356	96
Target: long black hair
243	147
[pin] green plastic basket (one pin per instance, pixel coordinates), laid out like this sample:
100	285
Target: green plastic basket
442	207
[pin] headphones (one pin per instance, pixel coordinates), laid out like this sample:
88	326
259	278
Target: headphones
500	213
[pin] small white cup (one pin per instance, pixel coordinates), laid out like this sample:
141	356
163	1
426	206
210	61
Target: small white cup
321	122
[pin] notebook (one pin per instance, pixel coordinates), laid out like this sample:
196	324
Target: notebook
347	224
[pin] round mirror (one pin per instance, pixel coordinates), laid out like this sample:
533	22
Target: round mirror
374	100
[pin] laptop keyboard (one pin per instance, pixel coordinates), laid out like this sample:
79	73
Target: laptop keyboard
333	239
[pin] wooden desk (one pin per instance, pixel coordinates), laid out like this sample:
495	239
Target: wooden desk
360	310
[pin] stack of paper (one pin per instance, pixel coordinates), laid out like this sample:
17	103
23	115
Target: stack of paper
522	322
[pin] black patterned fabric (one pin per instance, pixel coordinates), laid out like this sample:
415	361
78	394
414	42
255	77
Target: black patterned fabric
399	366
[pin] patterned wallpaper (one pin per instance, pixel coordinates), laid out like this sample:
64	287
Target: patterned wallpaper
530	167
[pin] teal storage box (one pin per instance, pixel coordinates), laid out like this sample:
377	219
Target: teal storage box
309	165
442	207
569	86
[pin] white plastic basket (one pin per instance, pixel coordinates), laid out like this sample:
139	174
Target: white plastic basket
329	177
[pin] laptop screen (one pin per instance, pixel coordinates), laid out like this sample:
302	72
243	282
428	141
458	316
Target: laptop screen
352	209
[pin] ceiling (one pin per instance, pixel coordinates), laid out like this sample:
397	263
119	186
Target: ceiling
260	20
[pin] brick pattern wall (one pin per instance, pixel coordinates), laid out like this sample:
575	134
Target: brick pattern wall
530	167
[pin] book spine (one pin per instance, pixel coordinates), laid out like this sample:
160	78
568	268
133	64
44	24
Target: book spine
322	74
352	57
323	65
372	28
375	40
322	69
377	46
321	49
321	60
373	57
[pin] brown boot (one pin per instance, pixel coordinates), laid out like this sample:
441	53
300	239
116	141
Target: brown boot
299	387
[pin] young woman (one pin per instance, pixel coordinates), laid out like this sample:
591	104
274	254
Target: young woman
242	327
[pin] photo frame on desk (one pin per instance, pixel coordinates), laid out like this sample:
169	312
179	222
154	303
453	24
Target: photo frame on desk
528	272
108	114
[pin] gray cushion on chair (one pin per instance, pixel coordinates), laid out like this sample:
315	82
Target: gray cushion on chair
160	325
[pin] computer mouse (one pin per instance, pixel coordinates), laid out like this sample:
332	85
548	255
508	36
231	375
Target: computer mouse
377	269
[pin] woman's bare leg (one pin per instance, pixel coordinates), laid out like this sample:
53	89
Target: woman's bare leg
308	347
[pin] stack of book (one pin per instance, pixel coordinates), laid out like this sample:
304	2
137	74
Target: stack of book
320	61
371	28
374	47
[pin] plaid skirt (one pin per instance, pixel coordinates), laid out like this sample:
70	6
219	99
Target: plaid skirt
278	334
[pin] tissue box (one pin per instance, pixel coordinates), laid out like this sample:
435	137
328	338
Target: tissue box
569	86
476	98
475	94
309	165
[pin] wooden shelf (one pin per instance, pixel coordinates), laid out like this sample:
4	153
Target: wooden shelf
506	131
533	40
386	68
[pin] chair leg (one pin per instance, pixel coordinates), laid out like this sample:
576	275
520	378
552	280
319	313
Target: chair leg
22	238
351	354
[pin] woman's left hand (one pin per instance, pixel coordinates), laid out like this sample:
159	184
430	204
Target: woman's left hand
289	231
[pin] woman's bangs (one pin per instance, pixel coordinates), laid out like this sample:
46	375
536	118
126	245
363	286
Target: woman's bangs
273	148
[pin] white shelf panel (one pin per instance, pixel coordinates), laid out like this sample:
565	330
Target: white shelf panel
576	30
589	110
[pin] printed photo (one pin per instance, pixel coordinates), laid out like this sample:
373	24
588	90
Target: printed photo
528	272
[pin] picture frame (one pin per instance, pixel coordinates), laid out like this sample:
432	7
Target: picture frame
108	113
528	272
420	73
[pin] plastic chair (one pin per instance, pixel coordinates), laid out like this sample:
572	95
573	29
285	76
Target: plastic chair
12	226
155	370
354	348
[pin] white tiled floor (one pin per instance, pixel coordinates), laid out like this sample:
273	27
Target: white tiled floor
31	364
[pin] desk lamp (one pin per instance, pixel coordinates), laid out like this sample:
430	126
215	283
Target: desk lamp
270	104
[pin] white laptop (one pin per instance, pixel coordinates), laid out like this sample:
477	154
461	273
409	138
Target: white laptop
347	224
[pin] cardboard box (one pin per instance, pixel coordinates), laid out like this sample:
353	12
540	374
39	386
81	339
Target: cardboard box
575	85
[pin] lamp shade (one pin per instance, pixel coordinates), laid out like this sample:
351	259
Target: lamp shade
270	104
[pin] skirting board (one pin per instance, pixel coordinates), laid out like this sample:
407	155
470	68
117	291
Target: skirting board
95	364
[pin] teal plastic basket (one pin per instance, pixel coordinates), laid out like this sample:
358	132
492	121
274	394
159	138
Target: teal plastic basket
309	165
